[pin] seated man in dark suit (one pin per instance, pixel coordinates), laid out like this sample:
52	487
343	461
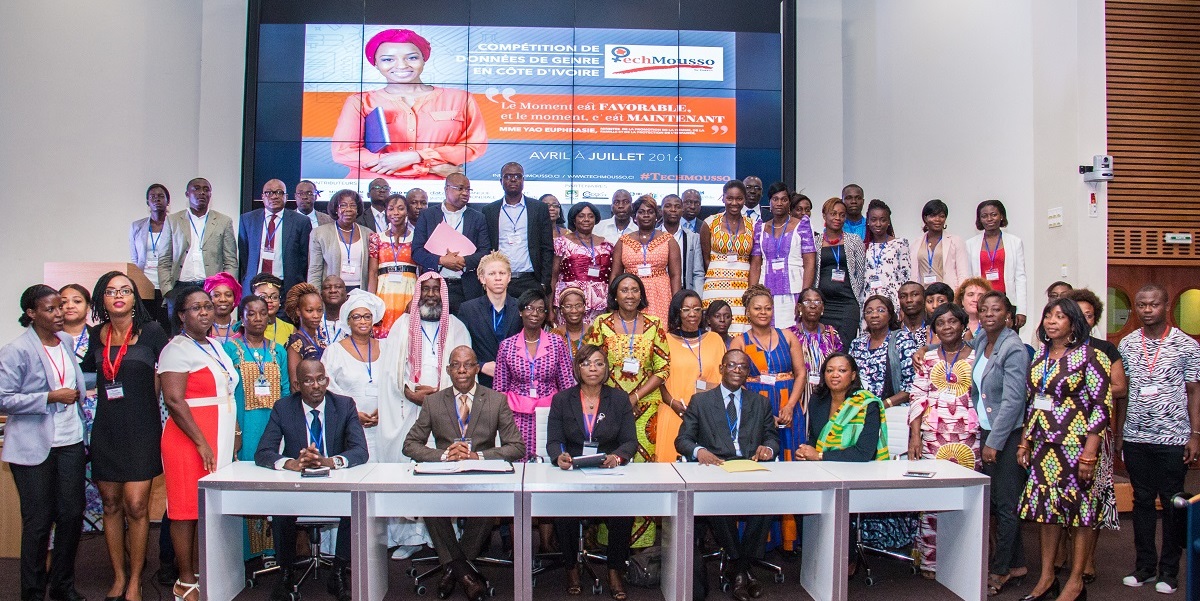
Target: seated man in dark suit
464	420
707	436
318	429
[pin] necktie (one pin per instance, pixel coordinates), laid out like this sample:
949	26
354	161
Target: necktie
731	416
316	433
464	413
269	245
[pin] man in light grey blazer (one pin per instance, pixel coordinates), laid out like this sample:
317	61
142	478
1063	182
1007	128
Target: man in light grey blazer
690	254
186	262
464	420
40	386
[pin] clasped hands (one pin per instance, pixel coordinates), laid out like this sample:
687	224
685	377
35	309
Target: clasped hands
309	457
459	451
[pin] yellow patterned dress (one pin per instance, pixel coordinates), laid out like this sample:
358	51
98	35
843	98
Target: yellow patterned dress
728	272
650	350
940	400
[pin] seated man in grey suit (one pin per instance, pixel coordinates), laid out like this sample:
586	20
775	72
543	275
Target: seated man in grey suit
464	420
317	429
708	436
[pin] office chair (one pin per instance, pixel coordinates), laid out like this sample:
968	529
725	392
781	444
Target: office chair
898	431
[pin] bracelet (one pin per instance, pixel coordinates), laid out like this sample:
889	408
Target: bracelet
1087	461
821	456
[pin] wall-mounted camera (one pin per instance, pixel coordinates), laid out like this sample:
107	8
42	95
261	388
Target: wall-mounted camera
1101	169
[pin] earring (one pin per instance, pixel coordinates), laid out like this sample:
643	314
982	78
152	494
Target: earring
1074	339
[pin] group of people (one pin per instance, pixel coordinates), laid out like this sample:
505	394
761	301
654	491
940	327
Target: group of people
311	341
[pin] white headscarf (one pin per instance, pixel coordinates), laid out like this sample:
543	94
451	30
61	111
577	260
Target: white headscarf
359	298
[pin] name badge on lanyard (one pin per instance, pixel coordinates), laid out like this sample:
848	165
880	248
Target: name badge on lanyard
838	275
631	365
593	272
1042	402
992	274
262	387
643	270
929	279
114	391
778	264
701	385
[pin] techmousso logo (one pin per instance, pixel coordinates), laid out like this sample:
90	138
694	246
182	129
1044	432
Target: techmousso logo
697	63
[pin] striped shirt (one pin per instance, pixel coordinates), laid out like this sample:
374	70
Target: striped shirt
1158	370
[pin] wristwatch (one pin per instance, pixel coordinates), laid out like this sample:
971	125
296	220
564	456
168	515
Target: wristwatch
339	462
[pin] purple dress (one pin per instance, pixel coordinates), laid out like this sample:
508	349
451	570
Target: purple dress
782	268
531	382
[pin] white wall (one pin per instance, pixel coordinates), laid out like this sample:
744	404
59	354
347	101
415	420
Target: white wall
99	99
962	101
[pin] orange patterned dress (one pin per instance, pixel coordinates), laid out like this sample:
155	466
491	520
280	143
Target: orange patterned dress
397	276
728	273
649	263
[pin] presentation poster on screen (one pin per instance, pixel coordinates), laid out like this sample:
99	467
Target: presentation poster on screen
585	111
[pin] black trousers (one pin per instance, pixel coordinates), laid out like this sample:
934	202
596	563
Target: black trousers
283	528
1156	472
750	546
475	535
454	293
52	496
620	531
1008	480
524	281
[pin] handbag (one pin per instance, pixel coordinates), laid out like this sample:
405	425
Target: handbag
645	568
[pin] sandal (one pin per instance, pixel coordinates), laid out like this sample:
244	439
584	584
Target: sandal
574	589
616	588
997	583
188	589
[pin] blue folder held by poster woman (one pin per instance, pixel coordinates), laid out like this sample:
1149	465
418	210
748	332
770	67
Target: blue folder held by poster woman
375	132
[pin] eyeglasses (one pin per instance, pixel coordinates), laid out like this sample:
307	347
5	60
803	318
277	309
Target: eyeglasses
513	176
812	302
307	194
598	364
321	381
572	307
359	317
202	308
462	189
274	193
269	297
118	292
458	366
534	310
737	366
875	311
691	310
378	187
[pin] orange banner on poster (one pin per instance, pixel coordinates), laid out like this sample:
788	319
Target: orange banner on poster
585	118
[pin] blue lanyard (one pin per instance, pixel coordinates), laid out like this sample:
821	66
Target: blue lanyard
458	227
574	346
154	240
370	376
348	244
732	234
1045	370
216	356
228	330
533	357
262	364
81	344
646	247
837	256
765	350
991	253
199	233
930	249
510	219
776	241
432	344
270	235
396	246
627	333
951	377
310	338
699	361
325	327
497	319
590	248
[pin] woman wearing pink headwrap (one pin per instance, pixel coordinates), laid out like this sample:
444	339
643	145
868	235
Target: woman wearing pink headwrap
226	293
429	130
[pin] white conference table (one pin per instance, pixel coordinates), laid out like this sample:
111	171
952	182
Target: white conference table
786	487
959	495
392	490
244	489
642	489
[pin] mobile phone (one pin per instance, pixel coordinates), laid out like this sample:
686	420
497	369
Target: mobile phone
314	472
916	474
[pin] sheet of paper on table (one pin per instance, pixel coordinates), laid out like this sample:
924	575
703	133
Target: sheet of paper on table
734	466
491	466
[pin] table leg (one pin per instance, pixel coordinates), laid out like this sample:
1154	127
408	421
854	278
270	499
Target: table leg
676	543
962	545
369	557
523	546
827	548
222	572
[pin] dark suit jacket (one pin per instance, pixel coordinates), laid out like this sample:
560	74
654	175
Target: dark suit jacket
476	315
614	431
489	415
473	227
291	244
541	236
705	424
367	218
343	433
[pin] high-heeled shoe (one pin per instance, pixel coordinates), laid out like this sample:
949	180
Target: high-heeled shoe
188	589
1049	593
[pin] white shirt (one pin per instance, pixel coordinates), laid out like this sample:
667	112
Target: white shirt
312	217
754	213
193	261
455	220
334	330
353	261
277	263
308	421
608	229
153	242
68	427
430	370
381	222
514	236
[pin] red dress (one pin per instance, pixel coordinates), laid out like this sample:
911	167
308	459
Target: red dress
210	396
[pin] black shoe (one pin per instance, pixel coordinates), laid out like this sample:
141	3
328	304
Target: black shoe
67	595
339	583
474	585
285	586
752	585
445	586
740	587
166	575
1050	593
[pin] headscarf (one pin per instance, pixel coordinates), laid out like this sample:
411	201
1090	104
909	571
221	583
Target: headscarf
416	339
396	36
224	279
359	298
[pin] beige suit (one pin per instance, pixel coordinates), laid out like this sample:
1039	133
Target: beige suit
218	249
325	253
